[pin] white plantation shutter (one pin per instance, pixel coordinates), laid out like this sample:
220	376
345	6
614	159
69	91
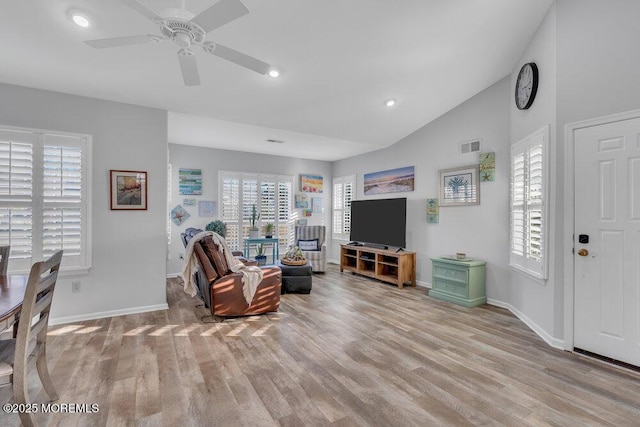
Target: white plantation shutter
343	194
528	204
270	193
43	200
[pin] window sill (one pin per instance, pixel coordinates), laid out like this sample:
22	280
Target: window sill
528	274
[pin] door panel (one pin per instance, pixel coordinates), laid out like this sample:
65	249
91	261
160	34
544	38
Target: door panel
607	208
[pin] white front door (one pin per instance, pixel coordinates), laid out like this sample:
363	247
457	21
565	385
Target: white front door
607	213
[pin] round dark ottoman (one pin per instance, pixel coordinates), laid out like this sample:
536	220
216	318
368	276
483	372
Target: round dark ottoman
295	278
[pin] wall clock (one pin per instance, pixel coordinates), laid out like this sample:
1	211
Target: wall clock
526	85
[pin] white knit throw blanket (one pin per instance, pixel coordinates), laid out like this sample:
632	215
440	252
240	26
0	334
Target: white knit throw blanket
251	275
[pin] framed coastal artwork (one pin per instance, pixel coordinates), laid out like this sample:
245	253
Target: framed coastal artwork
487	166
390	181
459	186
207	208
311	183
128	190
179	215
190	182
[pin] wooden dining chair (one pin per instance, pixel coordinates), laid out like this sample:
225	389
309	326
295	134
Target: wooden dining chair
19	354
4	259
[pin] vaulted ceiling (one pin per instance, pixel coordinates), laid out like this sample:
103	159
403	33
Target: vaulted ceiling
339	62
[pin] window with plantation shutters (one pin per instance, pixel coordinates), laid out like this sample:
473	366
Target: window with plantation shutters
343	193
271	195
528	204
43	199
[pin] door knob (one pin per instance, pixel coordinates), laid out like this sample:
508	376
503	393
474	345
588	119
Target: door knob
583	252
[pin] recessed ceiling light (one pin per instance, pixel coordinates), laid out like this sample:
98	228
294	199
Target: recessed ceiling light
80	19
274	73
390	103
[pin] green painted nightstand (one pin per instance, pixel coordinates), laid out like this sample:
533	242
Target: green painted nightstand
459	282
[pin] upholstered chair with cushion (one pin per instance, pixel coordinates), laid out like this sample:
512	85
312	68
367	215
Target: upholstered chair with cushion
311	241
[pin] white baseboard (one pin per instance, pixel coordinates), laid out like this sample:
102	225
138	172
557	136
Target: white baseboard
423	284
333	261
173	275
103	314
552	341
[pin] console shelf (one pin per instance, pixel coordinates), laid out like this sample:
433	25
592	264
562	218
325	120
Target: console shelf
382	264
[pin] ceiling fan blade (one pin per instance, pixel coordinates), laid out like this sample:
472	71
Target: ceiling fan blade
219	14
120	41
238	58
141	9
189	68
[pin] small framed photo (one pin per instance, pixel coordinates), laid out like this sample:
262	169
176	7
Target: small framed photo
459	186
207	208
128	190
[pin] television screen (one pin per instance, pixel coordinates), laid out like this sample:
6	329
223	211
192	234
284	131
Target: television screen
379	221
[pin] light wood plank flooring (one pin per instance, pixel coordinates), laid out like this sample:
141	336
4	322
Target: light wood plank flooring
355	352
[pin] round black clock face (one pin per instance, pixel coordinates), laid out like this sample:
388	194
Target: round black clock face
526	86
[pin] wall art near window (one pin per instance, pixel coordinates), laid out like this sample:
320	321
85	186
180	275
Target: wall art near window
179	215
190	181
301	222
302	202
389	181
487	166
311	183
207	208
459	186
316	204
307	212
128	190
189	202
433	211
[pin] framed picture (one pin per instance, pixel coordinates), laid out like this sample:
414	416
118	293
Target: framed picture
179	215
459	186
128	190
433	211
190	182
311	183
207	208
389	181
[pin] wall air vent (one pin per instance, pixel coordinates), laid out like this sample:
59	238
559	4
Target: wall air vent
277	141
470	146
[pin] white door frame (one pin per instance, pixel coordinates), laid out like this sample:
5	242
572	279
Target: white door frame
569	212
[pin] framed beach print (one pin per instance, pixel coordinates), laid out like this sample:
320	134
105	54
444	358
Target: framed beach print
459	186
128	190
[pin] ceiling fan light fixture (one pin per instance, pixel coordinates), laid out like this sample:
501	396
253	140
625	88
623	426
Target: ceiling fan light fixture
390	103
80	19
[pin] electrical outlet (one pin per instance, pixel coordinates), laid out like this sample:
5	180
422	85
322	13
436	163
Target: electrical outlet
169	256
75	286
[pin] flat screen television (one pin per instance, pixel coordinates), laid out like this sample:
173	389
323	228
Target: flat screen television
379	221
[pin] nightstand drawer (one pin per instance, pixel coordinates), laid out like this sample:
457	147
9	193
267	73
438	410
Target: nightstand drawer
453	288
453	274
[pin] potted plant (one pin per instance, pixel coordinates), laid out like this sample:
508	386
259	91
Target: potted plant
260	256
268	230
254	232
218	227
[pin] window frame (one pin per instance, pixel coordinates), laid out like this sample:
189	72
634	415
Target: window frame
520	256
38	139
342	182
242	222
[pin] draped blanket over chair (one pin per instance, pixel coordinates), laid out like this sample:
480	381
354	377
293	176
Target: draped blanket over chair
223	290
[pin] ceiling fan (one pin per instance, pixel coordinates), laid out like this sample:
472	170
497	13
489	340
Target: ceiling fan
188	30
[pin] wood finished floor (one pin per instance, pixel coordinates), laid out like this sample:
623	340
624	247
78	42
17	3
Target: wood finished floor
353	352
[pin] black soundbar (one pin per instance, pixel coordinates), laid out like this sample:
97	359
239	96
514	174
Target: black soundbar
355	244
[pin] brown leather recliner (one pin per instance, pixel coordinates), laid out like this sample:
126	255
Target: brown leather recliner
223	288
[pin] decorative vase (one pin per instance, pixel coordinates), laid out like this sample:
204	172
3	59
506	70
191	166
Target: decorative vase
254	234
268	236
262	259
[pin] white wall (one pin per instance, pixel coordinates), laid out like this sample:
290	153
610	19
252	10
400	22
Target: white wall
597	61
480	231
213	160
532	299
129	247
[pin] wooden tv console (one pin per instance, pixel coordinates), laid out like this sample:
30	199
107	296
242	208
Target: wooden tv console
382	264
